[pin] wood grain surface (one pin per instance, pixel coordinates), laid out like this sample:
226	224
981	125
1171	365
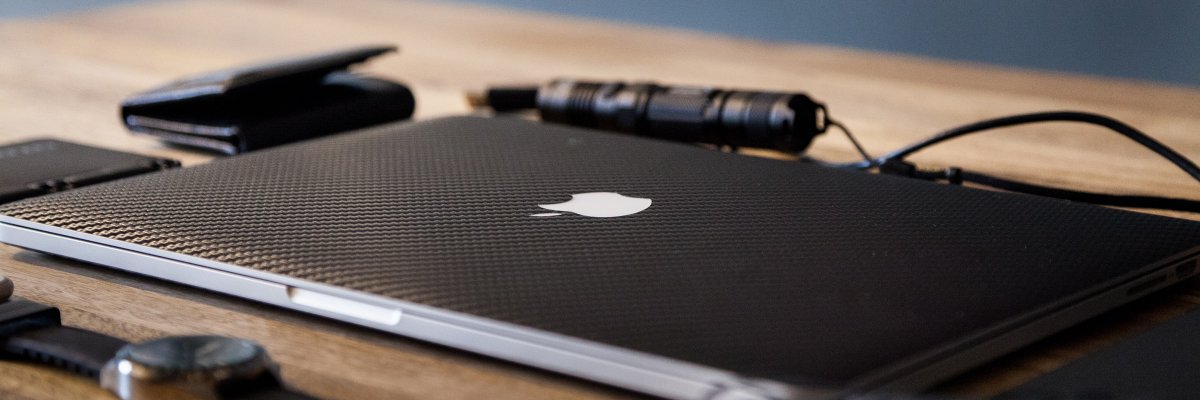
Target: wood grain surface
64	76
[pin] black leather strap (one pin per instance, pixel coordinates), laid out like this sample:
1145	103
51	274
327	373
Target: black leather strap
75	350
268	393
34	331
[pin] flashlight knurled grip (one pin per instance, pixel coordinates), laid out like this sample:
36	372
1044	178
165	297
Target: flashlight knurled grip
774	120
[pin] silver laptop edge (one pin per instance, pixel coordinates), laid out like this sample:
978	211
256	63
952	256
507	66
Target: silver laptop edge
630	369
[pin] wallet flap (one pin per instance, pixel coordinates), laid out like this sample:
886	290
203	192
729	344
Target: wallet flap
305	70
249	108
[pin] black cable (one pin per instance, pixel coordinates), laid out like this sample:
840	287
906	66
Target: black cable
854	141
1055	116
1133	201
957	176
894	163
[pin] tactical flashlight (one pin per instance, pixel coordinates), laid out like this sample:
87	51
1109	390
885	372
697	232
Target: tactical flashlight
773	120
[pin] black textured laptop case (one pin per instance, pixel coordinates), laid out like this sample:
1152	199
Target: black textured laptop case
771	269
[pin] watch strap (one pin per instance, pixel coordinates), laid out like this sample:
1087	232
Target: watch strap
34	331
266	386
76	350
271	393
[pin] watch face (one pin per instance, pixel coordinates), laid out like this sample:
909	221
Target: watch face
6	288
195	353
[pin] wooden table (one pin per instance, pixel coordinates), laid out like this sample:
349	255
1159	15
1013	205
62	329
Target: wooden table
64	76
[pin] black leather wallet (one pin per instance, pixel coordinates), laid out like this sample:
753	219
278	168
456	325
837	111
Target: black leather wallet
250	108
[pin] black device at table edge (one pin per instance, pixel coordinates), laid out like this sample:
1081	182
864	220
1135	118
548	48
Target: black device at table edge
1159	364
665	268
177	367
42	166
254	107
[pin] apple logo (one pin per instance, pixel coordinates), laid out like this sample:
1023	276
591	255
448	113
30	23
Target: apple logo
598	205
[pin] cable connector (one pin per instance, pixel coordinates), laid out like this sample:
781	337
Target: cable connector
894	166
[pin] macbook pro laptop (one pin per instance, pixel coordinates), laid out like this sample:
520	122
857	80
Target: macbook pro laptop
659	267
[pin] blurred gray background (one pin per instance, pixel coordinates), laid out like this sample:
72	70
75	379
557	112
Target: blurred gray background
1146	40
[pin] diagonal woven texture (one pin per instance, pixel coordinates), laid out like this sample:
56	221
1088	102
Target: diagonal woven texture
768	268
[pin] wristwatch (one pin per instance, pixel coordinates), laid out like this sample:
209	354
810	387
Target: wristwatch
6	288
179	367
195	367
